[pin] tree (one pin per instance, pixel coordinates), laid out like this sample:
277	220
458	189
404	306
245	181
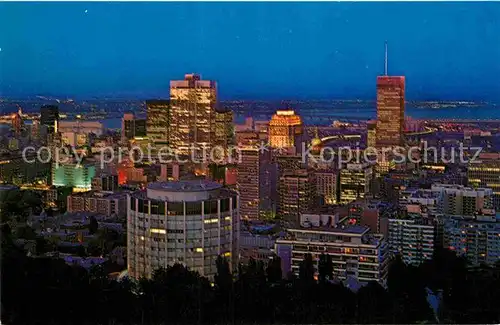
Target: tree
223	278
42	246
93	225
224	287
274	273
325	267
306	269
26	232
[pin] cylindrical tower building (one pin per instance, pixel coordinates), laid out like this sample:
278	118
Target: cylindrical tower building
187	222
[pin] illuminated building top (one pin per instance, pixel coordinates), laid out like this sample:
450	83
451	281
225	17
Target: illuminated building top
390	109
283	128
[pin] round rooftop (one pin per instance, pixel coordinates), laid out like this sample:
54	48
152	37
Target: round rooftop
185	186
8	187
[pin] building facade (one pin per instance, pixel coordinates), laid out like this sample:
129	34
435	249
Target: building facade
412	237
297	194
458	200
78	176
371	136
49	116
326	186
390	111
98	202
254	182
355	180
486	174
133	127
193	122
285	126
355	252
81	127
477	239
224	129
188	222
158	122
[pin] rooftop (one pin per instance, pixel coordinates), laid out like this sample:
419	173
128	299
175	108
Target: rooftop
185	186
354	229
100	194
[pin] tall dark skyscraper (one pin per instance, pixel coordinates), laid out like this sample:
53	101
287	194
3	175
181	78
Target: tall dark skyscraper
390	109
133	127
158	122
49	114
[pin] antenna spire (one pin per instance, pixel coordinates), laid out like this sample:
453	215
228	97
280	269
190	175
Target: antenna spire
385	60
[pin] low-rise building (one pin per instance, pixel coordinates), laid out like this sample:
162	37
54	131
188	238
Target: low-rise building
458	200
98	202
255	246
355	252
477	238
412	237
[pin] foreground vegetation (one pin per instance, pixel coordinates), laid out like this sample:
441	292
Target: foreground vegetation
47	291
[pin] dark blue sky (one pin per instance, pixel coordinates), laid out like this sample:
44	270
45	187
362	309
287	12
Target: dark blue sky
254	50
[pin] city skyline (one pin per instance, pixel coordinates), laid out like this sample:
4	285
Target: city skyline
331	50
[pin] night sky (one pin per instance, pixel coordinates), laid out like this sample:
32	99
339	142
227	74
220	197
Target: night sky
254	50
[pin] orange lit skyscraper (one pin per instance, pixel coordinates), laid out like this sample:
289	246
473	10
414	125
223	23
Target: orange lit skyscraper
283	129
390	109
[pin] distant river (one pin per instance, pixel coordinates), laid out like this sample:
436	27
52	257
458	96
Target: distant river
325	116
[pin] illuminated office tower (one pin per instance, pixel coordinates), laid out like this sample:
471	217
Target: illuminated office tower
390	109
297	194
187	222
49	116
133	127
355	182
224	129
371	140
193	113
285	126
158	122
254	182
486	174
326	185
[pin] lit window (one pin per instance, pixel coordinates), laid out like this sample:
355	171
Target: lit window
158	231
199	250
142	238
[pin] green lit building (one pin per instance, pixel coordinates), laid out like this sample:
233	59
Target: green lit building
78	176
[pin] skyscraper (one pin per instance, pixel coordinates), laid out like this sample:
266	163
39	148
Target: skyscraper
49	115
355	181
193	113
158	122
253	180
284	127
371	140
133	127
224	129
390	109
486	174
297	194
